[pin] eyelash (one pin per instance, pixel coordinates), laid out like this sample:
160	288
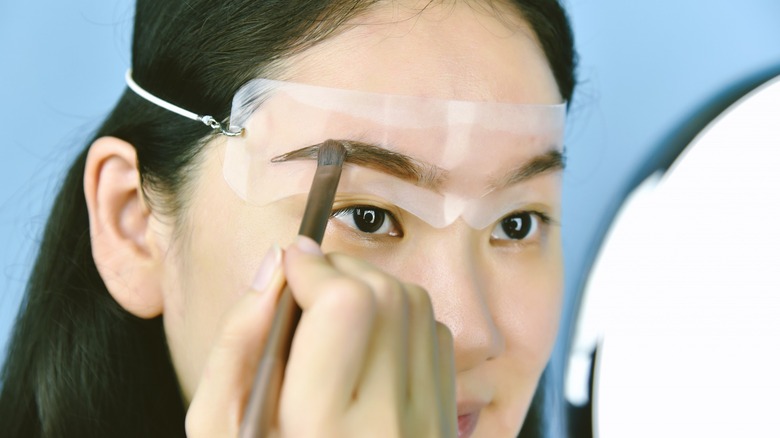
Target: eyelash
527	229
387	216
544	217
395	223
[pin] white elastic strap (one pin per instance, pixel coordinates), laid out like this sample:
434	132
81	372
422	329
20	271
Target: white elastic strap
156	100
207	120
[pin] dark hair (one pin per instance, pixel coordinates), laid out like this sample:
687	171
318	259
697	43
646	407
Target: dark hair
79	364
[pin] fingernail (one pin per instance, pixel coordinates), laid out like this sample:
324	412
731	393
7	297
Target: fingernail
307	245
268	266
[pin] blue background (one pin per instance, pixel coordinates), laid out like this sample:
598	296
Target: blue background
645	66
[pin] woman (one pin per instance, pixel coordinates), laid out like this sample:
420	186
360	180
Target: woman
158	273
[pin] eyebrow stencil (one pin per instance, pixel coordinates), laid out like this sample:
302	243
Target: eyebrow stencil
438	159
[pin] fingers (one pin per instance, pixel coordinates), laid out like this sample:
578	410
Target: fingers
386	368
432	366
217	405
370	346
307	270
367	351
446	379
423	377
330	343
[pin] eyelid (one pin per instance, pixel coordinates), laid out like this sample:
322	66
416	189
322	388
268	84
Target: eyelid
544	217
350	201
541	212
351	208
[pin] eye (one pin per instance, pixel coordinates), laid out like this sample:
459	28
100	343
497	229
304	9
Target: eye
518	226
368	219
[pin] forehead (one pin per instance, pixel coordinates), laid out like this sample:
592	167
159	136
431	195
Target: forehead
452	53
446	50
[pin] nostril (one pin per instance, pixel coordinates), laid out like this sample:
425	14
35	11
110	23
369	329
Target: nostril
477	338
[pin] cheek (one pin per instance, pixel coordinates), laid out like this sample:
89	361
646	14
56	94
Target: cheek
528	301
221	247
528	309
522	292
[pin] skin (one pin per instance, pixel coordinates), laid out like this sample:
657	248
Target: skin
499	301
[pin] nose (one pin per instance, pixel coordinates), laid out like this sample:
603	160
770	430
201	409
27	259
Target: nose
449	265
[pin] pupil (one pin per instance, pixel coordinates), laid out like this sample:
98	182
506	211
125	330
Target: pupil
517	226
368	220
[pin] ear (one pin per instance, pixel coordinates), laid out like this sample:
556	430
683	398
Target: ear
123	244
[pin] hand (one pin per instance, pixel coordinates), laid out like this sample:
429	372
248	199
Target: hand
368	358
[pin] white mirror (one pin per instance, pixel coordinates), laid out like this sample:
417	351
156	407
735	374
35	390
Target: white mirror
684	298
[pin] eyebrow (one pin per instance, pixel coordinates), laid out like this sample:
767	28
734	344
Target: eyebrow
418	172
550	161
378	158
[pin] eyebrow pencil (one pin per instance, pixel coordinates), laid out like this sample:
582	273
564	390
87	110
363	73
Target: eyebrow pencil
262	407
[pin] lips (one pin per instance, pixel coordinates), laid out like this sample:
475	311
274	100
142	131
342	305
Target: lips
467	423
468	415
475	391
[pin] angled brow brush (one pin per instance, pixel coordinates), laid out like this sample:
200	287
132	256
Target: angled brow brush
262	407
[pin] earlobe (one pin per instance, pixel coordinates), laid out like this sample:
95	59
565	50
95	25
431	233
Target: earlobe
123	244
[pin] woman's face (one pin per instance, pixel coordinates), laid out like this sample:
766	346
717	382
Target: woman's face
500	296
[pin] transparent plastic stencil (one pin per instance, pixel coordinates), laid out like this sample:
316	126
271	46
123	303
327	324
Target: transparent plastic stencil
438	159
